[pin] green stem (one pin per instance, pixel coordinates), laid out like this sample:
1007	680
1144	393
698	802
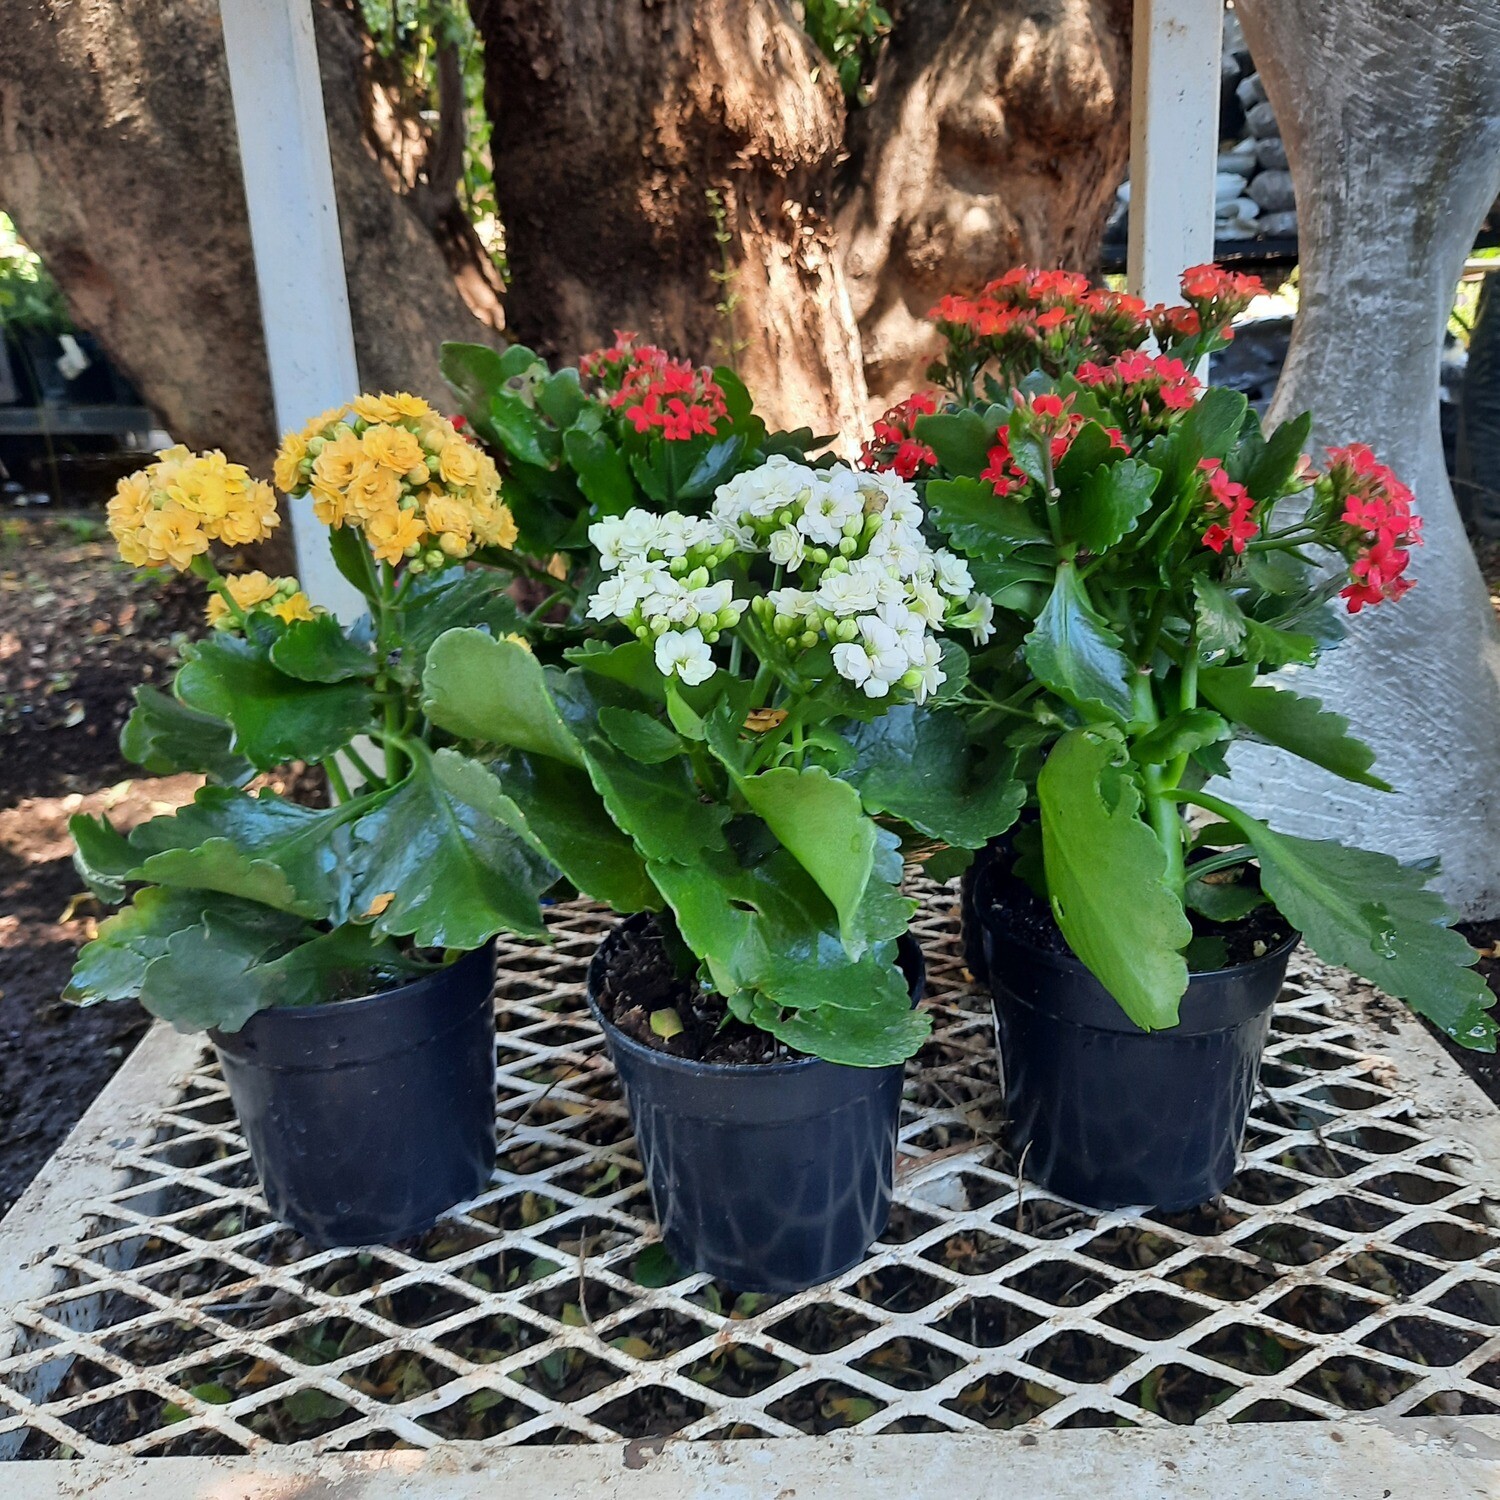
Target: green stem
359	763
336	779
1161	810
1187	698
1226	861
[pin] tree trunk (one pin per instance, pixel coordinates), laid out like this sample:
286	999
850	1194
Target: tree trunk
1391	118
998	133
618	117
120	166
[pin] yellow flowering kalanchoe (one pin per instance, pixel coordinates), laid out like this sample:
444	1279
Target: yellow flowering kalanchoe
402	474
168	512
282	597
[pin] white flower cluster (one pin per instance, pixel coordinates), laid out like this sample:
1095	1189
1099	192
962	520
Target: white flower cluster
868	583
866	580
659	585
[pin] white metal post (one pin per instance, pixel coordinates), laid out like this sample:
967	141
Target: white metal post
294	229
1174	141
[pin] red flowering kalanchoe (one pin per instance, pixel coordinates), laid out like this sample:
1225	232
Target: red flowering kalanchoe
893	447
654	392
1049	416
1373	510
1149	386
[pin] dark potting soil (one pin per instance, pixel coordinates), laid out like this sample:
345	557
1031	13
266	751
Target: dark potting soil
1028	917
642	979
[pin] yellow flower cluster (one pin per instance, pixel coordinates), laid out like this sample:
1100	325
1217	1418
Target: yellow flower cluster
172	509
401	473
282	597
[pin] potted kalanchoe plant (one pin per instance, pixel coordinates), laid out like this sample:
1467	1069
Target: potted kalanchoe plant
1150	556
690	765
340	957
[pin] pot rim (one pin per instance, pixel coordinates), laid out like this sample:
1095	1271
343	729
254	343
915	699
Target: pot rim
1070	960
303	1015
905	942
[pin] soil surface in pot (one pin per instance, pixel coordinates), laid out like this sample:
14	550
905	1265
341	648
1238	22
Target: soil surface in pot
643	979
1029	918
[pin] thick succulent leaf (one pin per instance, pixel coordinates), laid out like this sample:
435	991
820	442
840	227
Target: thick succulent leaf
980	523
659	806
102	856
631	663
165	736
1370	913
568	820
1180	734
454	597
262	848
1106	505
113	965
1224	900
1074	652
640	735
880	1035
920	767
1106	876
274	718
603	474
1221	624
1277	461
444	858
494	692
819	819
961	439
1301	725
321	650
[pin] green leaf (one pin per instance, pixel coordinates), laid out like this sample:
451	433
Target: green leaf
820	821
560	397
261	848
655	1267
1277	461
351	556
102	856
319	650
1179	734
113	965
476	370
1223	900
1106	875
206	976
660	806
1272	648
640	736
1301	725
274	718
164	737
1091	446
519	428
631	663
961	439
921	768
603	474
877	1036
495	692
1372	914
1221	624
980	523
443	601
568	820
1107	504
1075	653
449	848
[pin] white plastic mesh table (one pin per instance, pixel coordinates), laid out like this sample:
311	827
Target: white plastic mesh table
157	1311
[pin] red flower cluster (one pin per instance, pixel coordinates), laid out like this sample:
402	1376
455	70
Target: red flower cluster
1380	526
1155	384
1239	525
1041	318
893	446
1051	417
1217	295
656	392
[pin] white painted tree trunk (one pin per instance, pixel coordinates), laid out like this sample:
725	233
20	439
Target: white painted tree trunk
1391	117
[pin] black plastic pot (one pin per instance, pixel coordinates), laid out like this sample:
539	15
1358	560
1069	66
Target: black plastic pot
369	1119
770	1177
1107	1114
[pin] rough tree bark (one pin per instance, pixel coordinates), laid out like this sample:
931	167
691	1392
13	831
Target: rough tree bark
613	118
998	133
119	164
1391	118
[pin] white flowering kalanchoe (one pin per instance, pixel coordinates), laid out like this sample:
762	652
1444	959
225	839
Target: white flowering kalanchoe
852	566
